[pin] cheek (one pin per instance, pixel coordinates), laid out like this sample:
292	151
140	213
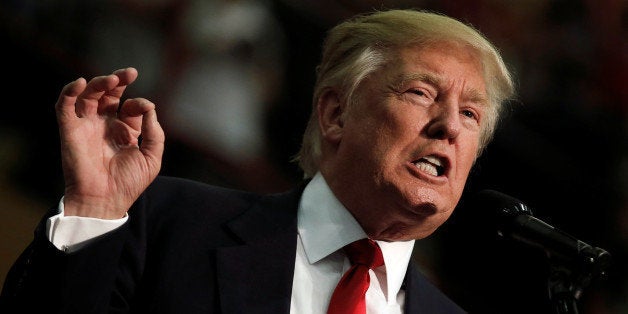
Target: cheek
468	159
381	138
377	138
467	155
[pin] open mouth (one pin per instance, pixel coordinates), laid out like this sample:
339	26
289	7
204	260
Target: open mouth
431	165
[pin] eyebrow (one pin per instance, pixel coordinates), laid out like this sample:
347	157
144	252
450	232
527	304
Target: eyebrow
470	94
403	79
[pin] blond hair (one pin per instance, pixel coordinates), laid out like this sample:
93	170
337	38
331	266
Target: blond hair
360	46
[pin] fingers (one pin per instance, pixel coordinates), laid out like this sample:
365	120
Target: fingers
65	106
153	137
132	110
102	93
140	114
101	96
91	100
110	100
126	76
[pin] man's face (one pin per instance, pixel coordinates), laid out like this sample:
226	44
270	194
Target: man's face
409	141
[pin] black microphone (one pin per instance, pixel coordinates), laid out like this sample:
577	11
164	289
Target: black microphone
515	220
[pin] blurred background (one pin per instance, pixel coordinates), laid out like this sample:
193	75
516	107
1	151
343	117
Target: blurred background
233	79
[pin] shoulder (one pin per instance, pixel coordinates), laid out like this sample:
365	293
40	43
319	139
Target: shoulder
183	213
179	199
172	189
176	198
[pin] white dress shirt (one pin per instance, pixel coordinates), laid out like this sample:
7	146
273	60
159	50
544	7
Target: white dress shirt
324	228
70	233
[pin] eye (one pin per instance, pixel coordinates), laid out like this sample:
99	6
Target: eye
417	92
469	114
420	96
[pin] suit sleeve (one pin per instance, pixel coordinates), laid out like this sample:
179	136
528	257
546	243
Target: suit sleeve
162	258
99	278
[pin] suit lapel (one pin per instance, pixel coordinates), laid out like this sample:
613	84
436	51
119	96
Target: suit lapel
423	297
256	276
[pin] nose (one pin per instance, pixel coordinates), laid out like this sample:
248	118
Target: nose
445	122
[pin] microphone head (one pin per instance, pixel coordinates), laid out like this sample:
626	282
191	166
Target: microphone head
506	207
515	220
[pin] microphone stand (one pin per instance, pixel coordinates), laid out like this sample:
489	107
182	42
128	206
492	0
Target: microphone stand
568	277
574	264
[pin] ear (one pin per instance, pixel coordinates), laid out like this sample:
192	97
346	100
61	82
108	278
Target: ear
330	116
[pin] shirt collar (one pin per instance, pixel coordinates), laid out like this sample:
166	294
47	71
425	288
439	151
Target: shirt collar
326	226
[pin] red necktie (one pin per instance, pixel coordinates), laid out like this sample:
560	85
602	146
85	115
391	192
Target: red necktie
348	297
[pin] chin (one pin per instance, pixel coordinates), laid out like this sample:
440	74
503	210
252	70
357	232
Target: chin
405	236
409	229
428	226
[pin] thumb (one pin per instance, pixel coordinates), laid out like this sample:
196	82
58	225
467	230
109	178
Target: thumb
153	137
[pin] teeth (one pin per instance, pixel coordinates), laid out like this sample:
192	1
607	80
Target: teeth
431	165
426	167
433	159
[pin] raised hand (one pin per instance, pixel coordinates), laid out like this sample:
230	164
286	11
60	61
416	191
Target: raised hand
105	166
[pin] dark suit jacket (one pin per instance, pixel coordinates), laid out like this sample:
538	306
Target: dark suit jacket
187	248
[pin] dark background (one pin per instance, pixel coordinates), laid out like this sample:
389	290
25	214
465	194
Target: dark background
562	148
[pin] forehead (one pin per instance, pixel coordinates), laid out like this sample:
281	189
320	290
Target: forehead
438	64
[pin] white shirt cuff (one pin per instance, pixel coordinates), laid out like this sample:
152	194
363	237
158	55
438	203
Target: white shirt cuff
71	233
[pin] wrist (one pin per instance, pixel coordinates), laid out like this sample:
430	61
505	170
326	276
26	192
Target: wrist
92	207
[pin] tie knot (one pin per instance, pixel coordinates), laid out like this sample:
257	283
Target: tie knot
365	252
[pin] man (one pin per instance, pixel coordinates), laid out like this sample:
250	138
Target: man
403	104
